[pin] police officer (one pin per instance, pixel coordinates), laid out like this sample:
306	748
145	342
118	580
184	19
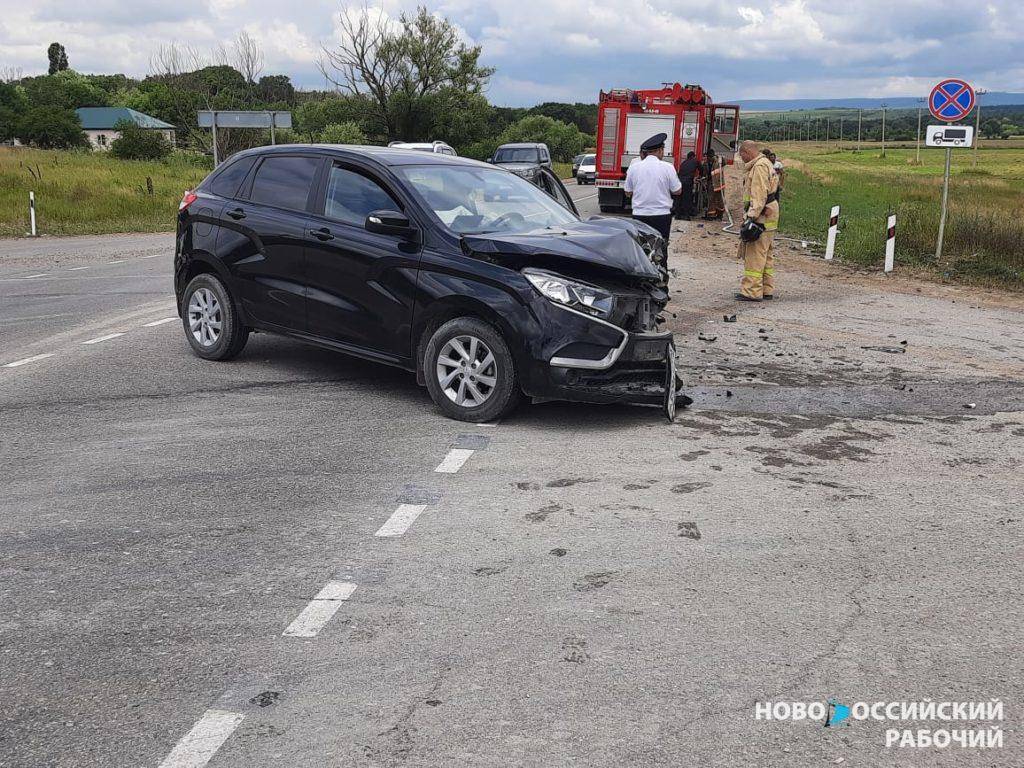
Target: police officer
761	204
651	184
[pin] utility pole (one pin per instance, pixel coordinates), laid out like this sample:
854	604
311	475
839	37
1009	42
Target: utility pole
860	114
919	103
977	124
839	144
884	105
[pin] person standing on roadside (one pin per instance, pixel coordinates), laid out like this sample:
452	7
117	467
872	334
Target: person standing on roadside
757	233
688	170
651	184
780	170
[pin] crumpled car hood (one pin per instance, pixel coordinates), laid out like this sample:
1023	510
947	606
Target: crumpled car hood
607	246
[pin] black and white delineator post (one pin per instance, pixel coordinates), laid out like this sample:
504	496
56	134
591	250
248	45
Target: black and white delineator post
32	212
890	242
833	228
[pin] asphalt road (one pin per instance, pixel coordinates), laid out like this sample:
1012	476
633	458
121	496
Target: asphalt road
259	563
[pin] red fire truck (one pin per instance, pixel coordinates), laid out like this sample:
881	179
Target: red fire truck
626	118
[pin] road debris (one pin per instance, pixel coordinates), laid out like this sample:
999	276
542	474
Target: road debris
729	318
888	350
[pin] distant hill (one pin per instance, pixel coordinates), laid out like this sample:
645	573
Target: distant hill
990	99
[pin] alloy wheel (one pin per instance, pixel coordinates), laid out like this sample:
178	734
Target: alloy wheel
467	371
205	318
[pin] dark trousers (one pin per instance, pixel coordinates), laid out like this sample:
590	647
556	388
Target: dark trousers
663	224
684	206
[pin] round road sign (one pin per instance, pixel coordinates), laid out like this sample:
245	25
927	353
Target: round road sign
951	100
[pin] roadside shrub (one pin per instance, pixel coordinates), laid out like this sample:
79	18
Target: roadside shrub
565	141
51	128
137	143
342	133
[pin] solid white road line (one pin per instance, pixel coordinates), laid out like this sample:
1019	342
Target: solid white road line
98	339
161	322
588	197
31	277
321	609
401	519
26	360
117	261
453	462
201	743
75	269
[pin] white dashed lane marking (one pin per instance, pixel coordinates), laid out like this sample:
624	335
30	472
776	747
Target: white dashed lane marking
321	609
26	360
75	269
201	743
117	261
401	519
98	339
160	322
453	462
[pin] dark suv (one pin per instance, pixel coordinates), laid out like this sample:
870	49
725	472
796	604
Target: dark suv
479	282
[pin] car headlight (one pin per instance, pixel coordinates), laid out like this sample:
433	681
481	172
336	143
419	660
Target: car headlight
571	293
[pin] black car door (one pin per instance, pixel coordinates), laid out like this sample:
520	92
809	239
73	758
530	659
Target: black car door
263	237
361	285
548	181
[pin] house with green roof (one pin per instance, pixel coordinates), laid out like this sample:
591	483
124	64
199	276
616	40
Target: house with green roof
99	124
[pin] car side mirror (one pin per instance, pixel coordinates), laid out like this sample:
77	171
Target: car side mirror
391	223
490	160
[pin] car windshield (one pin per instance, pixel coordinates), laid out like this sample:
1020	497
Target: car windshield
514	155
589	160
470	200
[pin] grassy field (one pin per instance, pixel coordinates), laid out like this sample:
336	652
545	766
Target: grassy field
984	239
80	193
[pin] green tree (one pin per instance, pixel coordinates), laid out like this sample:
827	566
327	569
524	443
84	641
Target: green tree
342	133
58	58
311	117
66	90
275	89
51	128
137	143
404	74
12	107
564	141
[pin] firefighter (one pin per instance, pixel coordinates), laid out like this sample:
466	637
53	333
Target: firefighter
651	184
761	208
716	186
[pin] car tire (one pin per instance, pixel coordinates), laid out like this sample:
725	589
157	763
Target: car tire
211	322
455	383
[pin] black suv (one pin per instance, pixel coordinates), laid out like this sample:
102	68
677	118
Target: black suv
478	281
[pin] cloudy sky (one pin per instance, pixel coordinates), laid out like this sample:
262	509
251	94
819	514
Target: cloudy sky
566	50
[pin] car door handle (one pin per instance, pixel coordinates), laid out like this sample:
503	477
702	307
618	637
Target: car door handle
323	234
237	214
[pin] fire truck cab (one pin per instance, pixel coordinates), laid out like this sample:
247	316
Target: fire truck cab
626	118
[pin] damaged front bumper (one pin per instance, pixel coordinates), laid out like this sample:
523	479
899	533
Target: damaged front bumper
594	361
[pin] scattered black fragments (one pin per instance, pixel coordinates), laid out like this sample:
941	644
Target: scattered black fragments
728	393
729	318
889	350
558	552
702	337
970	406
265	698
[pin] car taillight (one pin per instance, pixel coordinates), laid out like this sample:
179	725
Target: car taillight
187	199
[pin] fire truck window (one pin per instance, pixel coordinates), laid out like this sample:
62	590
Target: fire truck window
725	122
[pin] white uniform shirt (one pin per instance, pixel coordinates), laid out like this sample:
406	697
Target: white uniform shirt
779	167
651	182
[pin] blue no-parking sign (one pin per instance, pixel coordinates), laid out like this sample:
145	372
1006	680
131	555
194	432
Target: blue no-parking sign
951	100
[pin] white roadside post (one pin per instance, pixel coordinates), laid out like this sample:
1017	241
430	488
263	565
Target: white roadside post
890	242
833	228
32	213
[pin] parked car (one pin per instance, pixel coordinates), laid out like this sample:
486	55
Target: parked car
524	160
576	164
587	172
437	147
471	277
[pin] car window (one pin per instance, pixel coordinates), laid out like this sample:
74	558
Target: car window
589	160
471	200
284	181
544	156
351	197
516	155
230	177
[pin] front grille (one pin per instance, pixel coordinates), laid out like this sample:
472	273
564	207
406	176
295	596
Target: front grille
637	314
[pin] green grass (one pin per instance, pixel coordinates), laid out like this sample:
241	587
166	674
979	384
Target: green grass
984	239
79	193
